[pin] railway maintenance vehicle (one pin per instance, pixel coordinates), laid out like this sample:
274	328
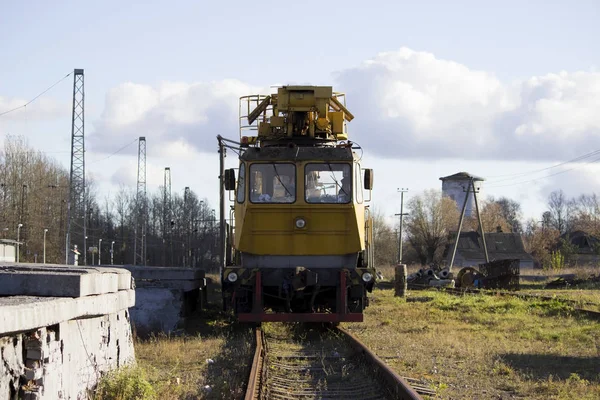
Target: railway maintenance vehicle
298	243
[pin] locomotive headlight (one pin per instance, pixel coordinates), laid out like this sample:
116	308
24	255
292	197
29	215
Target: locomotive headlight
300	223
367	277
232	277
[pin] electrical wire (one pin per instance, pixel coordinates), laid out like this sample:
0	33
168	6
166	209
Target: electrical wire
36	97
546	176
519	174
112	154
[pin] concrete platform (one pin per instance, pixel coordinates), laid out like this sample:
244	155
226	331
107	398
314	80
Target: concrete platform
22	313
139	272
60	281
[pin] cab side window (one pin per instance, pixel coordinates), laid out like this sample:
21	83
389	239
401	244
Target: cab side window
358	183
241	184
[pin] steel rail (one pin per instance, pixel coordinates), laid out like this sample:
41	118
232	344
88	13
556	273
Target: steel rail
398	386
253	390
266	382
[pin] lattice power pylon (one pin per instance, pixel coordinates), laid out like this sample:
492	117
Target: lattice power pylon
77	228
167	235
139	246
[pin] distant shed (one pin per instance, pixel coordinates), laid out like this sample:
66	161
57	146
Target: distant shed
501	246
8	250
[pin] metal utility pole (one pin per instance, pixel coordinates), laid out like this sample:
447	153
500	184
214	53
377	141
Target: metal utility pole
165	216
222	243
401	215
76	225
139	245
169	210
112	252
99	251
487	257
18	240
186	218
45	230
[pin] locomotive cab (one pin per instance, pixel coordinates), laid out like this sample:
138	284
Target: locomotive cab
300	242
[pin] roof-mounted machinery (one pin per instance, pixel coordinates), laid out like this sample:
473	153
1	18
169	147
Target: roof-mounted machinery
301	114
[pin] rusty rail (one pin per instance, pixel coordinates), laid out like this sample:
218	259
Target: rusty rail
253	390
396	384
285	369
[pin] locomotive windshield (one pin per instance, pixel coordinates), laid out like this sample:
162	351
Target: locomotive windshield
273	183
328	183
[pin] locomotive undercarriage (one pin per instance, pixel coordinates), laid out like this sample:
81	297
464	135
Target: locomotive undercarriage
298	294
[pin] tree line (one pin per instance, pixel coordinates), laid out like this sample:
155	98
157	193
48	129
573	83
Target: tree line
34	192
433	219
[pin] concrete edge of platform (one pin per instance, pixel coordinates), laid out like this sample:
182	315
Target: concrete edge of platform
25	312
61	281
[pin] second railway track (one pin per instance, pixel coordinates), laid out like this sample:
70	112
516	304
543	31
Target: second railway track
321	363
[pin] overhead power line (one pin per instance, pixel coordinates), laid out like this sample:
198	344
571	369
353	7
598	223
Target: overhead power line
36	97
545	176
509	177
115	152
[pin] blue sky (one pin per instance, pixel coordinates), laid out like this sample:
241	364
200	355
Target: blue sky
500	53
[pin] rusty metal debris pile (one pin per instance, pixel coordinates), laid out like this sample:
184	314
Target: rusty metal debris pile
497	274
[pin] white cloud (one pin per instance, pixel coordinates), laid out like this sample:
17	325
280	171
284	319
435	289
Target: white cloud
40	109
173	112
411	104
407	104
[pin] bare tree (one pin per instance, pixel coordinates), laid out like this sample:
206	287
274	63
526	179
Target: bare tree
511	212
558	208
384	240
431	218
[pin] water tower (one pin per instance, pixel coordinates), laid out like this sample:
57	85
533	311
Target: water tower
455	186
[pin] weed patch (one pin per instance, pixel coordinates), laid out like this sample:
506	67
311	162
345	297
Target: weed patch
128	383
486	347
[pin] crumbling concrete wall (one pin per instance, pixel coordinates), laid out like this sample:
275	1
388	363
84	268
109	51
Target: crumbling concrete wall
66	360
59	347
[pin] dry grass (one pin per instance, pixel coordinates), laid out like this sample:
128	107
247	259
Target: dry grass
486	347
480	347
210	360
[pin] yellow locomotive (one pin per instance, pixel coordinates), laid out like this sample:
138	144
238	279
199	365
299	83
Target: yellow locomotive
298	245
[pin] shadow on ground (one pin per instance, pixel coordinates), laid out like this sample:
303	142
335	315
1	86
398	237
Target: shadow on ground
228	373
536	366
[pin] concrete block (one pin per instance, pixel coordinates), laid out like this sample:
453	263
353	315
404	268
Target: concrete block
22	313
162	273
56	281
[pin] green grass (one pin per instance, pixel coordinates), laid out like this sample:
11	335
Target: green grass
486	347
127	383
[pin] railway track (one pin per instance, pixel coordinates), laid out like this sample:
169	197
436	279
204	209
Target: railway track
322	363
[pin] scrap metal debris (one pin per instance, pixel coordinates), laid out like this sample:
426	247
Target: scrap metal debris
497	274
563	282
